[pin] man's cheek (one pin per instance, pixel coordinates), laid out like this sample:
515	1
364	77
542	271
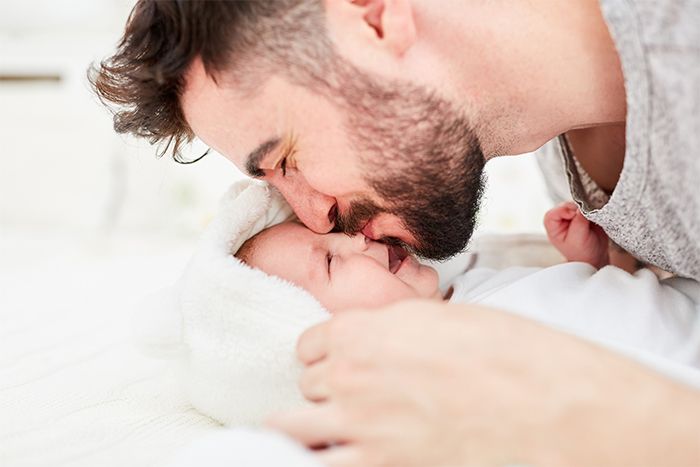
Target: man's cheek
334	177
326	183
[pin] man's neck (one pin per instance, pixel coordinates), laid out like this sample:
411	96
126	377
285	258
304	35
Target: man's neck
531	70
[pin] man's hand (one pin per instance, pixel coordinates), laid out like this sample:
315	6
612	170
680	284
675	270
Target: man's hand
428	384
577	238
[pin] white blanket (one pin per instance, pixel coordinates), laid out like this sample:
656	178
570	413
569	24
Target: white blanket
233	329
655	322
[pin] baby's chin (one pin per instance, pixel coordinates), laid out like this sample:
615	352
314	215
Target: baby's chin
435	291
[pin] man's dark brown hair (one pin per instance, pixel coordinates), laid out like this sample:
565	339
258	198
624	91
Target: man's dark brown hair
141	83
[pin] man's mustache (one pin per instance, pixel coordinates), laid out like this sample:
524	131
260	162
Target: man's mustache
358	215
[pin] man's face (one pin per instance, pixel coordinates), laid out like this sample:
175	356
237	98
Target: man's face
395	163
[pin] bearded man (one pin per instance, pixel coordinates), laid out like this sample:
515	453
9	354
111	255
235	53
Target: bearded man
378	116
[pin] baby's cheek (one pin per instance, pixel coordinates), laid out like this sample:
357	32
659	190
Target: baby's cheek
396	290
370	291
428	282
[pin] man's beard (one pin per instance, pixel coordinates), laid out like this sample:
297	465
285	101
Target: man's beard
421	157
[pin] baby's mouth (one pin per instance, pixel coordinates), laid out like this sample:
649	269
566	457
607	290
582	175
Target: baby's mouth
396	257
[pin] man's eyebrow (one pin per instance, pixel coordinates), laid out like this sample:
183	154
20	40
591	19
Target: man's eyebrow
252	165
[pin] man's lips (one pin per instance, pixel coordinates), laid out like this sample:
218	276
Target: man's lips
371	232
368	232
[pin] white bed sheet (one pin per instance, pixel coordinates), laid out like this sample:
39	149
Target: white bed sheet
74	391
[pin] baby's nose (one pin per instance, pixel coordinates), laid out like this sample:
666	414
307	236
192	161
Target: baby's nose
361	241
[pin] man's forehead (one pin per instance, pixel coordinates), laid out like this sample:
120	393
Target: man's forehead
235	124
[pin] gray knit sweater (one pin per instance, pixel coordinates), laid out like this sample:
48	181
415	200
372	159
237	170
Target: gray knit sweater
654	212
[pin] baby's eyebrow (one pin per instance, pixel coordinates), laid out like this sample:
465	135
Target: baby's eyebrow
252	165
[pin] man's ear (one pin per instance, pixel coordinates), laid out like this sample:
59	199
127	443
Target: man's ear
387	23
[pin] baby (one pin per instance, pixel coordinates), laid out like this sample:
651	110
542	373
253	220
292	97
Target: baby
340	271
344	272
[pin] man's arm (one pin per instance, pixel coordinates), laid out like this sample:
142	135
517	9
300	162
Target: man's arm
422	383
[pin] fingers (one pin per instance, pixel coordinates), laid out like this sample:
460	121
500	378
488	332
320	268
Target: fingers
555	226
314	382
580	227
313	344
556	220
317	425
569	206
565	211
340	331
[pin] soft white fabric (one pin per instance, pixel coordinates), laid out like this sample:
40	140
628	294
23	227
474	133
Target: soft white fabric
234	328
657	322
74	391
245	447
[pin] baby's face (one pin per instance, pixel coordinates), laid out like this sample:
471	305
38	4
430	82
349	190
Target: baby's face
342	272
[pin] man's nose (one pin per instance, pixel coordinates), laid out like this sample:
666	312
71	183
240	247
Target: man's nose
317	214
316	210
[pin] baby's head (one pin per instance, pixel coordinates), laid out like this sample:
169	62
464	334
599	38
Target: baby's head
234	327
340	271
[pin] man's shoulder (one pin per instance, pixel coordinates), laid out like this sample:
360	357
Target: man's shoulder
659	46
669	25
659	38
658	23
